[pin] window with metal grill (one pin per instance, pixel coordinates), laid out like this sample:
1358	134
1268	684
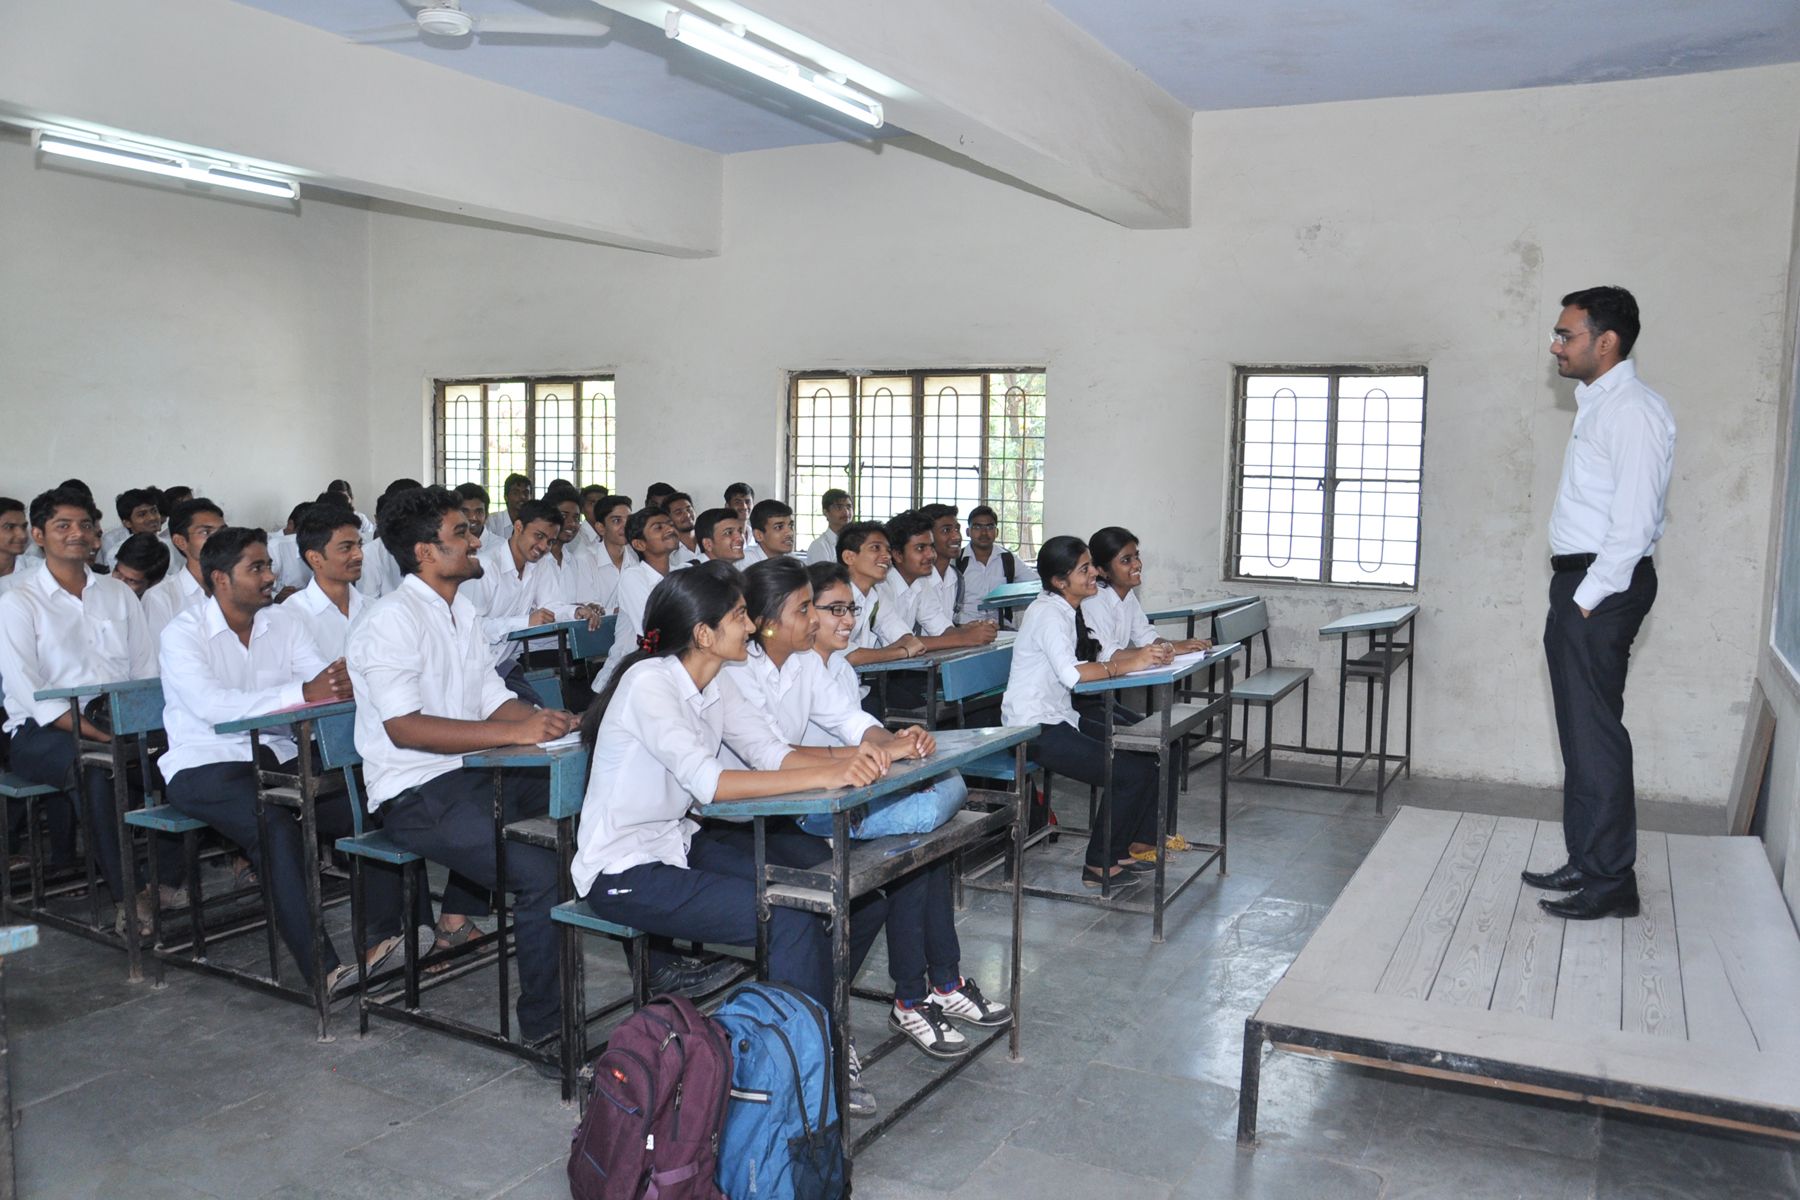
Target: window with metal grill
546	428
898	439
1326	476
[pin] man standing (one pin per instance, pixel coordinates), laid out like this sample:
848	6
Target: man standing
1606	522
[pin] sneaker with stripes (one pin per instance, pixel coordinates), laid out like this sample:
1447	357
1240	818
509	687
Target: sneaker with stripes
927	1026
966	1003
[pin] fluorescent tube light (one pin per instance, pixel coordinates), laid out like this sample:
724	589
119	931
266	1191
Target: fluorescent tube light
167	163
731	46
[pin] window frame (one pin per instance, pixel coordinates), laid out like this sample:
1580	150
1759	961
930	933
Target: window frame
1234	483
531	382
916	376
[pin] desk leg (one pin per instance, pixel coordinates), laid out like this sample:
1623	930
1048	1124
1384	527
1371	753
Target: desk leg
760	837
1022	797
265	877
501	973
1104	812
1343	686
8	1179
1165	796
315	901
134	949
840	968
1225	775
1412	652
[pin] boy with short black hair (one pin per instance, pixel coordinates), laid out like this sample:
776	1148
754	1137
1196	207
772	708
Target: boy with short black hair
330	540
836	505
911	588
772	525
680	507
192	522
138	513
516	491
986	565
720	535
141	563
15	536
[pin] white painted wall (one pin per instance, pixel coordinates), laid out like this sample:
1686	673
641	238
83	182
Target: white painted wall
152	336
1440	230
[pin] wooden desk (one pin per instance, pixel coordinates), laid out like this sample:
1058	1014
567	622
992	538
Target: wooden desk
858	867
931	663
1008	596
1191	613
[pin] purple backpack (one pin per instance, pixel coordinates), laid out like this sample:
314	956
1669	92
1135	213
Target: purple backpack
655	1109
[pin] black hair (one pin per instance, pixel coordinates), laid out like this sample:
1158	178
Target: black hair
299	510
1609	310
183	517
144	553
739	488
44	504
560	491
609	502
539	510
331	499
129	500
937	512
833	496
561	483
1106	545
170	498
853	535
413	517
1059	556
658	488
224	548
903	528
639	521
594	489
319	522
766	511
342	487
982	510
707	522
670	499
8	504
515	477
823	575
473	491
402	485
704	594
769	583
79	486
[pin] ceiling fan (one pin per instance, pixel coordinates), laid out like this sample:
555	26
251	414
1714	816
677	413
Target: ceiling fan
447	19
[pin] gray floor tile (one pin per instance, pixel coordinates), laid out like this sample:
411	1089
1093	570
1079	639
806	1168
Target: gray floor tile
1266	1173
340	1179
1649	1159
1479	1114
950	1135
1131	1122
482	1140
1428	1165
1014	1171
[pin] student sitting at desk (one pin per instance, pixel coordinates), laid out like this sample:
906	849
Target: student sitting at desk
1053	653
427	694
238	655
62	627
138	513
653	540
946	545
330	540
505	589
587	538
291	572
680	507
1113	613
474	499
140	563
772	525
986	564
15	534
614	555
720	534
641	859
193	522
798	675
514	492
836	505
877	636
381	574
740	499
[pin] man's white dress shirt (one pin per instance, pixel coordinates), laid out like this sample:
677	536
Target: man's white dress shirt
49	638
823	548
979	579
178	592
329	628
916	604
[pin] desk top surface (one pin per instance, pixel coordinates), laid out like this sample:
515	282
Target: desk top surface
1181	668
1200	608
95	689
1009	595
553	754
1372	621
288	716
937	658
956	748
553	629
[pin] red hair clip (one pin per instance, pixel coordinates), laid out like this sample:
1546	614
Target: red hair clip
650	641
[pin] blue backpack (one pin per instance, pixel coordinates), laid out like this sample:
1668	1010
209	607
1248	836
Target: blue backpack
782	1140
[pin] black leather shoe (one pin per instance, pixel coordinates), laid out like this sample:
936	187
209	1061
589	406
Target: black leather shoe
1586	906
695	978
1564	879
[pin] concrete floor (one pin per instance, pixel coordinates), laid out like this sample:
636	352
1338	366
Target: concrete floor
1128	1088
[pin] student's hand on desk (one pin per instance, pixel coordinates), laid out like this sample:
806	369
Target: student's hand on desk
542	616
876	756
981	633
545	725
860	771
1191	645
912	645
914	741
593	614
333	683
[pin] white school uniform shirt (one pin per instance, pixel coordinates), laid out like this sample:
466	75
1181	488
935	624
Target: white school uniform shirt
823	548
1615	478
328	627
877	622
178	592
110	541
586	536
380	573
505	598
499	526
1044	666
635	587
607	575
916	604
948	585
23	569
1117	624
412	653
979	579
656	757
683	557
753	552
51	639
805	704
366	526
290	566
210	677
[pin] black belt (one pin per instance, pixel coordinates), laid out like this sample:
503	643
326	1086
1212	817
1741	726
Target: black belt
1577	562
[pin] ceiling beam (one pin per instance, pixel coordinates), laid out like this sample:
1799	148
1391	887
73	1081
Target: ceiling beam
217	77
1010	84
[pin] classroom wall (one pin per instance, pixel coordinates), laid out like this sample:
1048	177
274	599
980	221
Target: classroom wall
1439	230
149	335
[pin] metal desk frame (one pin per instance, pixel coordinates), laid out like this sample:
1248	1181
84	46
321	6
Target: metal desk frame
930	663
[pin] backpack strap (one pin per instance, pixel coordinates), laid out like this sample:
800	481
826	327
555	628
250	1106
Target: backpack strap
1008	564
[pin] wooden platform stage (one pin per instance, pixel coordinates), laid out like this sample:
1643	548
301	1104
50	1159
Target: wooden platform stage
1437	960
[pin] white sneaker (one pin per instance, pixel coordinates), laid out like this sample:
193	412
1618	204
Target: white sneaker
862	1100
926	1025
967	1004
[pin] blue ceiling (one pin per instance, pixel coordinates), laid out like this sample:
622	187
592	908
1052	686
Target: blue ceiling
1206	53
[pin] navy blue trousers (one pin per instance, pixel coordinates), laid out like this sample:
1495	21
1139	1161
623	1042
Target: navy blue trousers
450	820
1081	755
922	946
713	900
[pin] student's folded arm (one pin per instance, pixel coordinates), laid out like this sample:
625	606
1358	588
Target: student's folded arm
445	735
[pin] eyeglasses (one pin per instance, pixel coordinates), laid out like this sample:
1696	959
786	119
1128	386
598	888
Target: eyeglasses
841	609
1559	338
984	526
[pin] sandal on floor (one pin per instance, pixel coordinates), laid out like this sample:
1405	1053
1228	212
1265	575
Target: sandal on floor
1174	844
446	940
